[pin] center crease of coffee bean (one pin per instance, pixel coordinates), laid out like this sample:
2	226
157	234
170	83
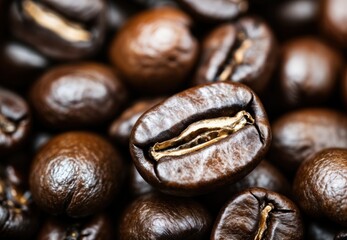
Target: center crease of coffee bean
52	21
6	125
235	57
201	134
264	215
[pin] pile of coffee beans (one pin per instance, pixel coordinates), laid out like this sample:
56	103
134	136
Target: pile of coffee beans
173	119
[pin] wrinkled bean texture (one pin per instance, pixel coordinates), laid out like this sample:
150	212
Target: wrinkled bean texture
258	214
152	46
61	30
299	134
77	95
218	163
155	216
245	52
97	227
320	185
76	174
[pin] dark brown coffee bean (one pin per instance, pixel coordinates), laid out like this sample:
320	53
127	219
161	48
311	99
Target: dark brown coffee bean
300	134
215	10
333	20
97	227
201	138
308	72
18	216
77	95
258	214
320	185
19	64
62	30
120	129
76	174
152	46
244	52
264	176
155	216
15	121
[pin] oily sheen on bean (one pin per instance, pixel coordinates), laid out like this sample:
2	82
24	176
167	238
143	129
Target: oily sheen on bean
201	138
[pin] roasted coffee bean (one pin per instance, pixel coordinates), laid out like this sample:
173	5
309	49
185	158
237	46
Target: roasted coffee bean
15	121
62	30
202	138
320	185
77	95
120	129
244	52
19	64
309	71
258	214
264	176
137	185
333	20
212	10
96	227
76	174
18	216
152	46
300	134
155	216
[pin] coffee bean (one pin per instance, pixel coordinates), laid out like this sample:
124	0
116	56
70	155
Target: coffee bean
152	46
320	185
215	10
15	121
76	174
77	95
155	216
258	214
308	72
333	18
244	52
20	65
98	227
120	129
63	30
201	138
300	134
18	215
